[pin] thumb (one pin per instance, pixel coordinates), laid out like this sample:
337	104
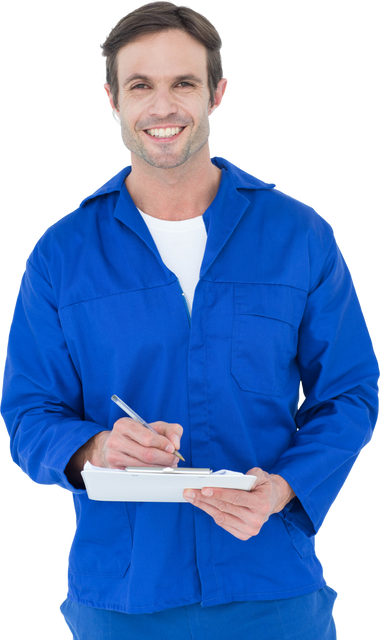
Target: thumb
261	476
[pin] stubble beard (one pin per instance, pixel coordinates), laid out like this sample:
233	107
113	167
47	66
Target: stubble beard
166	158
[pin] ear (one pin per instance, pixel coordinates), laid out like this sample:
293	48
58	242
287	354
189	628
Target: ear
110	98
219	93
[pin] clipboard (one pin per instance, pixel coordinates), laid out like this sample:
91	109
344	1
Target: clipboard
156	484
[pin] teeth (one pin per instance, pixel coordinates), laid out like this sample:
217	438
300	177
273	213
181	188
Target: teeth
164	133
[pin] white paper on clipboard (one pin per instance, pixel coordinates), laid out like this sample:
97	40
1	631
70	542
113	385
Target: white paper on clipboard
158	485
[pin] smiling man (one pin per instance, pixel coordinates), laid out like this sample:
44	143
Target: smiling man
202	297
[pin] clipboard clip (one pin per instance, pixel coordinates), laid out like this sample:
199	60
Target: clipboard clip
170	470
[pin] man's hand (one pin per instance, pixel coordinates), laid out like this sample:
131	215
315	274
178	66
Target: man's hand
129	444
243	513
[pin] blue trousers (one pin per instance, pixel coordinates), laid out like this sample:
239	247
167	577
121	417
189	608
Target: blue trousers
307	617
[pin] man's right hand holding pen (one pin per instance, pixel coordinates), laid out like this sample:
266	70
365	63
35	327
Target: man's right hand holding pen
129	444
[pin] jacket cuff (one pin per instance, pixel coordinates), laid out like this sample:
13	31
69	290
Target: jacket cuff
298	511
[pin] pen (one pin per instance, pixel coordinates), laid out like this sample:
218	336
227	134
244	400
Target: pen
132	414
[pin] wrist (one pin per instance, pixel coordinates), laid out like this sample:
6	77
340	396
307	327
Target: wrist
91	451
283	491
94	449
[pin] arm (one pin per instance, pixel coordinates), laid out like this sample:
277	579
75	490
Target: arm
42	403
339	374
43	408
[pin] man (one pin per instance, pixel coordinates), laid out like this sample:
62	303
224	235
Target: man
201	296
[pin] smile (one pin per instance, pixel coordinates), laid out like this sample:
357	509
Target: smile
169	132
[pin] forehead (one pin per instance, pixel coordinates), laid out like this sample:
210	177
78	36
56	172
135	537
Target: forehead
163	54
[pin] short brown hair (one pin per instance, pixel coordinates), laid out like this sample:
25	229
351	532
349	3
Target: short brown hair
163	16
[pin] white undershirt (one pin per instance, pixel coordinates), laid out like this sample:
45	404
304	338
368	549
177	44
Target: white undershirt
181	245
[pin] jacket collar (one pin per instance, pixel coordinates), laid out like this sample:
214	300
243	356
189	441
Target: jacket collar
221	217
227	209
240	180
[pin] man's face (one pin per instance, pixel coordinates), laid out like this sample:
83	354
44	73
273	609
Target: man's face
164	100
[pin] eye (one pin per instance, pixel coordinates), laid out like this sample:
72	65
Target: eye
141	85
184	84
144	85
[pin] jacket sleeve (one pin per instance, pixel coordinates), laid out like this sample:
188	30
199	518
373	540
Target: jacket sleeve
42	403
339	376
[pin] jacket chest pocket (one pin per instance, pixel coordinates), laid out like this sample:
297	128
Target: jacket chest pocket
265	335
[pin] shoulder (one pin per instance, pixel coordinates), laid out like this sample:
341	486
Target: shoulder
275	207
79	229
288	216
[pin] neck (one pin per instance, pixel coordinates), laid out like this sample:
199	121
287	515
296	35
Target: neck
174	194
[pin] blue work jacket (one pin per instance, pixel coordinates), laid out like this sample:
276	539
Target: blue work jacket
99	314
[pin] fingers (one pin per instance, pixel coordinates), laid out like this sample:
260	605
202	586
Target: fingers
172	431
131	444
168	435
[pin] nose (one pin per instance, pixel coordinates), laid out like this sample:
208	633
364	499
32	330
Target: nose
163	103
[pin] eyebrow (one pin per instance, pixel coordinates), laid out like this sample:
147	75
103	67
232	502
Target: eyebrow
181	78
